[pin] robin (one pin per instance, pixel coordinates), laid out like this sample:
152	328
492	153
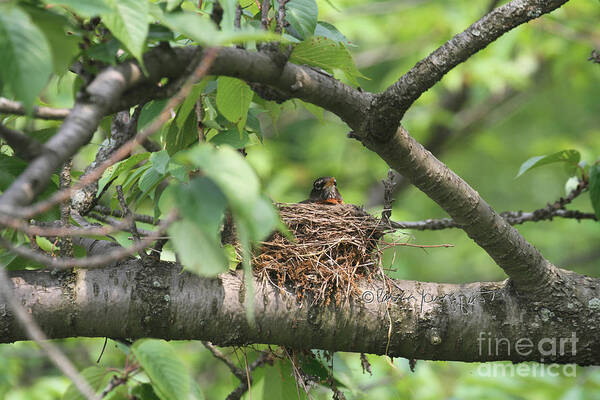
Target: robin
325	191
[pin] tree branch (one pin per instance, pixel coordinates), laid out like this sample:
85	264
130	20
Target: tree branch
24	146
419	320
33	331
14	107
512	217
529	270
389	107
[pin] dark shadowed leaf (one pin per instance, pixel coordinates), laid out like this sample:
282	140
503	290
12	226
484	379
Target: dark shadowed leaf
302	16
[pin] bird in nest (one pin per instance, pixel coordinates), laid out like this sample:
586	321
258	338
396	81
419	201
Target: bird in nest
325	191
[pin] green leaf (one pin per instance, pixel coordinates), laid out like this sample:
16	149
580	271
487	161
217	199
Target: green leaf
202	202
302	16
173	4
199	252
566	156
594	187
229	170
317	111
148	181
119	168
10	168
329	31
188	104
128	21
254	214
233	99
326	54
97	377
229	7
232	138
144	392
178	139
261	218
232	257
201	30
279	383
84	8
26	54
150	111
105	52
169	377
191	25
160	161
249	6
64	47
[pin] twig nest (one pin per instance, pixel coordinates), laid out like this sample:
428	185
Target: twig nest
333	246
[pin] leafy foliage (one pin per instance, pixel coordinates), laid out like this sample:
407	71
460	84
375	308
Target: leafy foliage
39	41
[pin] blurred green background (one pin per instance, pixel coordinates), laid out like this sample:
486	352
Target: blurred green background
533	92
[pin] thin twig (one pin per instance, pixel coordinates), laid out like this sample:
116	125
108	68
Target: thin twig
147	219
42	228
388	199
281	16
128	214
264	14
92	261
14	107
241	375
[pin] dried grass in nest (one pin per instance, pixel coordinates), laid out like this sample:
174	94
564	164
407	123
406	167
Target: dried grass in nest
334	246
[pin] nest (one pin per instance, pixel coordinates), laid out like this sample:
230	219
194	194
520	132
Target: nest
333	246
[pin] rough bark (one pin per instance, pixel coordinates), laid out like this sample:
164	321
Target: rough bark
409	319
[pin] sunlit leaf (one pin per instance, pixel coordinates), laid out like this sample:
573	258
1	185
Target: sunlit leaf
84	8
566	156
326	54
119	168
169	377
233	99
128	21
198	251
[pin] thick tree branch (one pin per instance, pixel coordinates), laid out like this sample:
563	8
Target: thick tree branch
24	146
428	320
33	331
291	80
79	126
393	103
530	271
